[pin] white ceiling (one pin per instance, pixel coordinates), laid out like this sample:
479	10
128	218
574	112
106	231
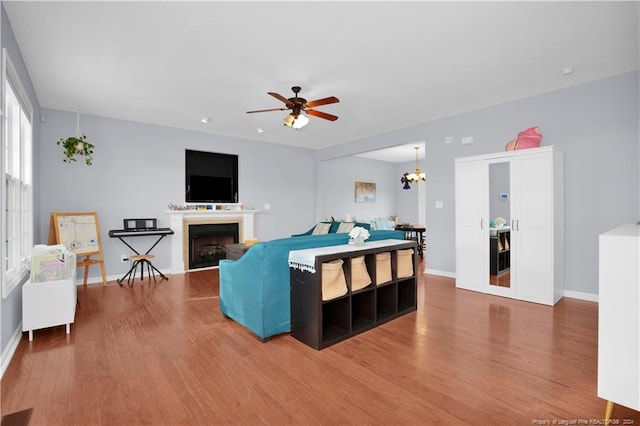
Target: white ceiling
392	64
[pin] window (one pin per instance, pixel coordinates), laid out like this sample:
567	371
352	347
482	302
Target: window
17	185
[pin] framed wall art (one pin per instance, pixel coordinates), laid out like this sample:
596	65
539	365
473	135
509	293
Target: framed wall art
365	192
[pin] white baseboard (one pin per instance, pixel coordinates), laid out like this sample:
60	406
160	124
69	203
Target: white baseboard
10	349
590	297
441	273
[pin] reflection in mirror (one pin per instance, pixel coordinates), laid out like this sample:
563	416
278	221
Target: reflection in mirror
499	230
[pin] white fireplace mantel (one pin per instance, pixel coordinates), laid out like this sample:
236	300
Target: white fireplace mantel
179	221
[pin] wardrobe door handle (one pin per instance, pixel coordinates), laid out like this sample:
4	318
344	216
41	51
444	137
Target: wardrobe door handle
481	223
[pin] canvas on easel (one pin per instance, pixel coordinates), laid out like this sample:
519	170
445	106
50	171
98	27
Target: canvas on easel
80	234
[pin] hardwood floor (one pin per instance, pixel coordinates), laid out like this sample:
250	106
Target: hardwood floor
163	354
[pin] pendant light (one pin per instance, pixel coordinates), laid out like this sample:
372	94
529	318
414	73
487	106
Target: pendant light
417	176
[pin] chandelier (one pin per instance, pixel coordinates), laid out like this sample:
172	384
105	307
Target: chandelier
413	177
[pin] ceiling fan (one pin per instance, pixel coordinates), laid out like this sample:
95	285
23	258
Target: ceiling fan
298	105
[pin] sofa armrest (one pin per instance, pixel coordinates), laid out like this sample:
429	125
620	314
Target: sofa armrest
241	289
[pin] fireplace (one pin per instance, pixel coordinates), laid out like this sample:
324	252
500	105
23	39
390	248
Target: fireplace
181	220
208	243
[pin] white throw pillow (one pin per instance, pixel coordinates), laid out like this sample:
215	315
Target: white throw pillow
345	227
321	228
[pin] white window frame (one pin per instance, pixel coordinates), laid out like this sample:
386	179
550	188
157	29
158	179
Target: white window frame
16	217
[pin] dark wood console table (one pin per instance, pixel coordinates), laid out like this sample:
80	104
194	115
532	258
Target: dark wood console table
319	323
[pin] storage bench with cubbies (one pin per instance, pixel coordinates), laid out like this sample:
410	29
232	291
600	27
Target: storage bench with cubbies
340	291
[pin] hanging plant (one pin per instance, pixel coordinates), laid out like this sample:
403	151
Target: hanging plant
77	145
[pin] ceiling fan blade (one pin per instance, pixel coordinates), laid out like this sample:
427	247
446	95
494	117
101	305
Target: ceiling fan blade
323	101
267	110
281	98
321	114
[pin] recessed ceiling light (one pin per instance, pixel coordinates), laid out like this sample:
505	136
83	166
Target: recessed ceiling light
567	71
205	120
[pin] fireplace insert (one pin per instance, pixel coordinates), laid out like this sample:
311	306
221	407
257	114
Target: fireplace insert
208	243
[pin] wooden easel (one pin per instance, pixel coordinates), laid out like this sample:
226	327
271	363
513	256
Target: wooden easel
79	233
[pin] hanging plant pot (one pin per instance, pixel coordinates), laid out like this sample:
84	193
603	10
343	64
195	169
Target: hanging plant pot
77	145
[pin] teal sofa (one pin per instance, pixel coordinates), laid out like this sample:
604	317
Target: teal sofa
254	290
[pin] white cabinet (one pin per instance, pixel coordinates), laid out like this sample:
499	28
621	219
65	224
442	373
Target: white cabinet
619	316
48	304
535	198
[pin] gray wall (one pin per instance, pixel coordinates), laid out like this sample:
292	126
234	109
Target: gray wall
336	179
138	169
11	307
337	188
594	124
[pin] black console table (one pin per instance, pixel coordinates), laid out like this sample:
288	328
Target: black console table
319	323
123	233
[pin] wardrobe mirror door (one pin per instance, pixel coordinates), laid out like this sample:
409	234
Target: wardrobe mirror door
499	225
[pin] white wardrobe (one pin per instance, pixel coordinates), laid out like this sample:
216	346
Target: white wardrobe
525	188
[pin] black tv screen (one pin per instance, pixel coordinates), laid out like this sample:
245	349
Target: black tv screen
210	189
211	177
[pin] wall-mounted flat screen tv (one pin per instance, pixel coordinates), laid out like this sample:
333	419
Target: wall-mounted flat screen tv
211	177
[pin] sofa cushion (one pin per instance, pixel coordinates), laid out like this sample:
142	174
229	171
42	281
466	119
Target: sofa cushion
321	228
345	227
333	227
383	224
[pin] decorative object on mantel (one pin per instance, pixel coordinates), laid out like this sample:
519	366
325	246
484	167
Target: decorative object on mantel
77	145
177	207
413	177
529	138
206	207
358	235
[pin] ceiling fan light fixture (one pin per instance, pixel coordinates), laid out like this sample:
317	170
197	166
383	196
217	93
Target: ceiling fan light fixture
300	108
288	120
297	122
